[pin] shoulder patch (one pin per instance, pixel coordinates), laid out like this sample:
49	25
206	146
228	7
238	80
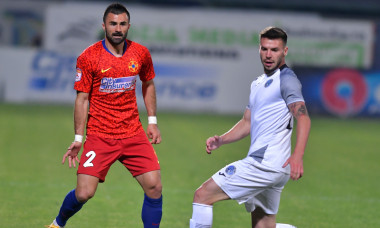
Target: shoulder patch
79	75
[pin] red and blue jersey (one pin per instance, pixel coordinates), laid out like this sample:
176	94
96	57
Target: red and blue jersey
111	82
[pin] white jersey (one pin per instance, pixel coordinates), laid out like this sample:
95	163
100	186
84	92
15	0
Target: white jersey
271	120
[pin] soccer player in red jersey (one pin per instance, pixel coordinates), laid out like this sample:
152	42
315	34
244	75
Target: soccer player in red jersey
105	83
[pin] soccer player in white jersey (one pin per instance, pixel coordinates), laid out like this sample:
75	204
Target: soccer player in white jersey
258	179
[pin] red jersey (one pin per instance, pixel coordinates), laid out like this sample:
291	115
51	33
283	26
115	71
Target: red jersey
111	82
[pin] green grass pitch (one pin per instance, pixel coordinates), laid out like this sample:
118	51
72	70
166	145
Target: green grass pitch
340	187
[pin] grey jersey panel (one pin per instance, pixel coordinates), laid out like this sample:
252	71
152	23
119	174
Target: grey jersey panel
290	86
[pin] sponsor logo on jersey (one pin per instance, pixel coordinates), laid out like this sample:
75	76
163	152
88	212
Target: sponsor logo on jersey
133	66
268	83
259	80
230	170
105	70
79	75
117	85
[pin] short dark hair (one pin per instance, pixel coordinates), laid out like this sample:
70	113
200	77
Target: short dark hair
274	33
116	8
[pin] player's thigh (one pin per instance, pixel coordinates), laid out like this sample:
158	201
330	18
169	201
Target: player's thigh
235	180
138	155
86	187
242	181
268	199
97	157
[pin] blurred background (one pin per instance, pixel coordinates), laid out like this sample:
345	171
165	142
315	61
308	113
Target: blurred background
205	52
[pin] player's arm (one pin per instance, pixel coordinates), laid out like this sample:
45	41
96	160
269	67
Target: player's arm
299	112
80	112
239	131
149	95
80	117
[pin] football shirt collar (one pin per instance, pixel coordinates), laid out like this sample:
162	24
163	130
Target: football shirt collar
105	47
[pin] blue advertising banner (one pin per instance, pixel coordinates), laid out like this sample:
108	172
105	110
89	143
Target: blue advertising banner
341	92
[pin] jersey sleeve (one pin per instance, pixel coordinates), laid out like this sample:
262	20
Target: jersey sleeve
291	88
147	70
84	76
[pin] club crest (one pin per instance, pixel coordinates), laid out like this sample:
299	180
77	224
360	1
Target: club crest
133	66
268	83
230	170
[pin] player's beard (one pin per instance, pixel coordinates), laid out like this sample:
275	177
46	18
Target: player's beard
116	40
270	70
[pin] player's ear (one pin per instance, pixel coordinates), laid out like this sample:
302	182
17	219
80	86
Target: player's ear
104	27
286	50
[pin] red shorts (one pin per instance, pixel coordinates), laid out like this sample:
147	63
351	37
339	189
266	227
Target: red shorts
135	153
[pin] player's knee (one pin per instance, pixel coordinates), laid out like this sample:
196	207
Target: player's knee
83	195
205	195
154	190
157	189
199	195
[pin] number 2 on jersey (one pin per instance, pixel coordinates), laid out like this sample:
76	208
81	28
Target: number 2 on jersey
91	155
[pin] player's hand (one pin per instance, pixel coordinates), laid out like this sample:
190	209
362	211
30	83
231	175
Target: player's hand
153	134
213	143
72	153
296	166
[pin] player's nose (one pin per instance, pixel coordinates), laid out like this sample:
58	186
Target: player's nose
268	54
118	28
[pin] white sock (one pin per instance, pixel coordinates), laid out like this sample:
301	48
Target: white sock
202	216
56	224
282	225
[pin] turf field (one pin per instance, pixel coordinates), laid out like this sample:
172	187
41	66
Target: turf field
340	187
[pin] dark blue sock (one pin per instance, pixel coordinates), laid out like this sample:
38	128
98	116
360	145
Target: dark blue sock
69	207
151	212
